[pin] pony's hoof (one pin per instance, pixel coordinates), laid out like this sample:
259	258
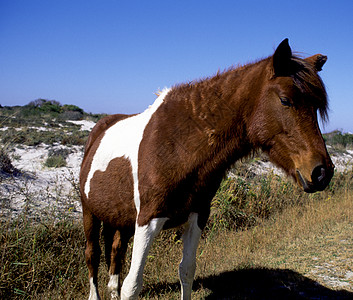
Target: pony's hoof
114	295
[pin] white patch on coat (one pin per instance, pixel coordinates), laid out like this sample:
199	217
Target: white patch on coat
187	267
113	286
123	140
93	292
143	239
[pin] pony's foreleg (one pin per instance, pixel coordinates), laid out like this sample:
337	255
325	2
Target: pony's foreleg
143	239
187	267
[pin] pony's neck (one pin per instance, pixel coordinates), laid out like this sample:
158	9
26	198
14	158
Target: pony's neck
221	108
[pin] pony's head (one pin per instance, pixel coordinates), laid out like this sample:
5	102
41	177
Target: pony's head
285	122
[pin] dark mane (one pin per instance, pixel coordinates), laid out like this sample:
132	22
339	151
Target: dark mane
308	82
232	71
305	78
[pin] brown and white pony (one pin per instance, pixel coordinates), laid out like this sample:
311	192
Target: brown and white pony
161	168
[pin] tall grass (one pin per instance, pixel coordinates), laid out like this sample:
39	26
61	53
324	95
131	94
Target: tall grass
245	198
46	260
38	258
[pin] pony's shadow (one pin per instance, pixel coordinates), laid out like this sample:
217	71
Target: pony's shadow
264	284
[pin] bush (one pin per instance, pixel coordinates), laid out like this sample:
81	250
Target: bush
337	138
76	138
40	107
64	152
30	137
55	161
6	164
42	102
49	107
71	115
70	107
57	158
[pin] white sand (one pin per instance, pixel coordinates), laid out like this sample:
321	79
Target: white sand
85	125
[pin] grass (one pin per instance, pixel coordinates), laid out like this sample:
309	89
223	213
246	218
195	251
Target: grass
281	246
39	259
265	238
276	255
57	158
68	135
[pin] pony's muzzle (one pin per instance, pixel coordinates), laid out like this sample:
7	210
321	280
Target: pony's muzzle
320	178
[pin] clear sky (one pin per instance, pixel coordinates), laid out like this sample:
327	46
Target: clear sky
111	56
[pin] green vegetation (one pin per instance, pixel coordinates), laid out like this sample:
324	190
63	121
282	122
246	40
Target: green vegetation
339	139
40	259
69	135
42	112
43	121
245	199
57	158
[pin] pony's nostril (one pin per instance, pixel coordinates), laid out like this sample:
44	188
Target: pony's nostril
320	173
319	177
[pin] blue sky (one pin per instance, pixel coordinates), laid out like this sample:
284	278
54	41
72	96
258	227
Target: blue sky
111	56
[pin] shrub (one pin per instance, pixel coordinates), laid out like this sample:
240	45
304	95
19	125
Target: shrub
71	115
41	107
64	152
70	107
337	138
49	107
6	164
57	157
42	102
55	161
76	138
30	137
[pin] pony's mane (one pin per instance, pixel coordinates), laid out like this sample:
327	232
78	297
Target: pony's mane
304	75
308	82
233	70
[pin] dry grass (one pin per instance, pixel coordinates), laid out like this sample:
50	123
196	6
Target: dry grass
301	253
298	249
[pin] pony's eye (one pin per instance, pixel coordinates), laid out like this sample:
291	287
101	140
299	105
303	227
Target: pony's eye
286	102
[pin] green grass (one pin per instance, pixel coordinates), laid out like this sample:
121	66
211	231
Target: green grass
55	161
57	158
39	258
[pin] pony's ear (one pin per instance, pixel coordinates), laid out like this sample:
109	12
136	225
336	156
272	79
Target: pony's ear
317	61
282	59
